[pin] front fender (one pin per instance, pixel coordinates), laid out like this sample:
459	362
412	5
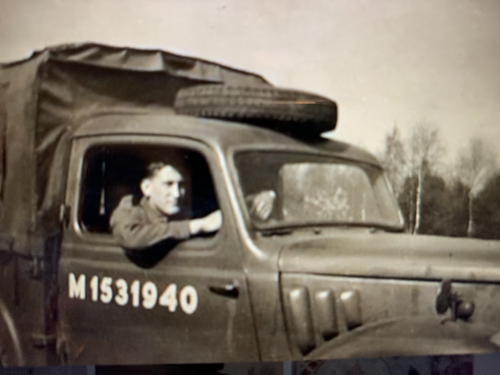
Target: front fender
411	336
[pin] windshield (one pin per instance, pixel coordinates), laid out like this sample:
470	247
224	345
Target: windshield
284	189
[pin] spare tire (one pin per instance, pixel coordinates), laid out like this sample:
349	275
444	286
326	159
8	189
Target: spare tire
290	111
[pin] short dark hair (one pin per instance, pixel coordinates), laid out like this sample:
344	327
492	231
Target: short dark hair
154	167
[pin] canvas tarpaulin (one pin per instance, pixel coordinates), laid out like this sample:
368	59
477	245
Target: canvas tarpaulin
46	97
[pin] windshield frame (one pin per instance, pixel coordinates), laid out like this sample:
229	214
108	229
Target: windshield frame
313	153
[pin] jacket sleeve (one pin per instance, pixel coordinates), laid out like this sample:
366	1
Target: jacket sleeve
133	232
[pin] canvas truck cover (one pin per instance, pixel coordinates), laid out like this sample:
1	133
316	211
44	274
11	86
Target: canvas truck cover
45	98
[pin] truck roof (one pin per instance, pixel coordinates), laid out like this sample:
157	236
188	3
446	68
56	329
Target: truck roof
141	60
218	133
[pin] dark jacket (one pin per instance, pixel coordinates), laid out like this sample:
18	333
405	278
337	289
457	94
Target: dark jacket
137	227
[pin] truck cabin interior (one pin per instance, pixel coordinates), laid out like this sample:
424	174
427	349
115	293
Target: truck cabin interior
112	172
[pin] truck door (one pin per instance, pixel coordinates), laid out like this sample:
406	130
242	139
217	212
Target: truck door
171	304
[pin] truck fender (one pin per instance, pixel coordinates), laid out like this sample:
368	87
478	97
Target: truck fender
409	336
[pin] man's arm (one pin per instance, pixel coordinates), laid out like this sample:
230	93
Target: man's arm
134	233
207	224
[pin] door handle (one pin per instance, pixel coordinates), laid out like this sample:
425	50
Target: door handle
227	290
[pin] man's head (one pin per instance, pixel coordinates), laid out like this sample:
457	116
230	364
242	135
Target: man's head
164	188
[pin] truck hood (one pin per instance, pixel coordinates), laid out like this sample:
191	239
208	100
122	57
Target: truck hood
390	255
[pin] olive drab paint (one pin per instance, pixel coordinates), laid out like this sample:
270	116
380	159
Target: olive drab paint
295	272
147	292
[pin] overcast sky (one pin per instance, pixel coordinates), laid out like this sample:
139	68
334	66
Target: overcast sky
385	62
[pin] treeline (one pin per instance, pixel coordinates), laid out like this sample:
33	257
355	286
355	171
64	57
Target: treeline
461	199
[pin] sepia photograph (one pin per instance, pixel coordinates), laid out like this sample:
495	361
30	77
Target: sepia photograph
208	182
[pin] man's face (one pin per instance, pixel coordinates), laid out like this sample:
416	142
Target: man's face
164	190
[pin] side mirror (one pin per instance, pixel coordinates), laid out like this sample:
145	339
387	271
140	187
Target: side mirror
447	298
443	299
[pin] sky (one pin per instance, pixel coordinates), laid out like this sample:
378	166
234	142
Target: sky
385	62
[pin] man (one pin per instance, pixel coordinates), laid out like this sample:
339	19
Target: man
138	227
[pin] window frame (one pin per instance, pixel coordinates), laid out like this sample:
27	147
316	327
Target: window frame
74	192
255	227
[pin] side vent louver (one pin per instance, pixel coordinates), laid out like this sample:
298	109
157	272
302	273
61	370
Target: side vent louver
326	314
302	319
352	308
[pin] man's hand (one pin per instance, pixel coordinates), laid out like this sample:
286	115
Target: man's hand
207	224
262	204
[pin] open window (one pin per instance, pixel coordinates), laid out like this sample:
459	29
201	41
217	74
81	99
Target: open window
111	172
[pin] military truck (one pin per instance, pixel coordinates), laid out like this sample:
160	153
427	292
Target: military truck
310	262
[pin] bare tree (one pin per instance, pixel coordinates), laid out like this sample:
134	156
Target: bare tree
393	160
475	166
424	152
472	159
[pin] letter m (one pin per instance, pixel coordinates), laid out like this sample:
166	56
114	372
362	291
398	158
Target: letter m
76	288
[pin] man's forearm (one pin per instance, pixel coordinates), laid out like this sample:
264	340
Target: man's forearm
208	224
140	237
195	226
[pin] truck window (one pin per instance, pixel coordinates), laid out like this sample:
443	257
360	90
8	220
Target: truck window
112	172
292	189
